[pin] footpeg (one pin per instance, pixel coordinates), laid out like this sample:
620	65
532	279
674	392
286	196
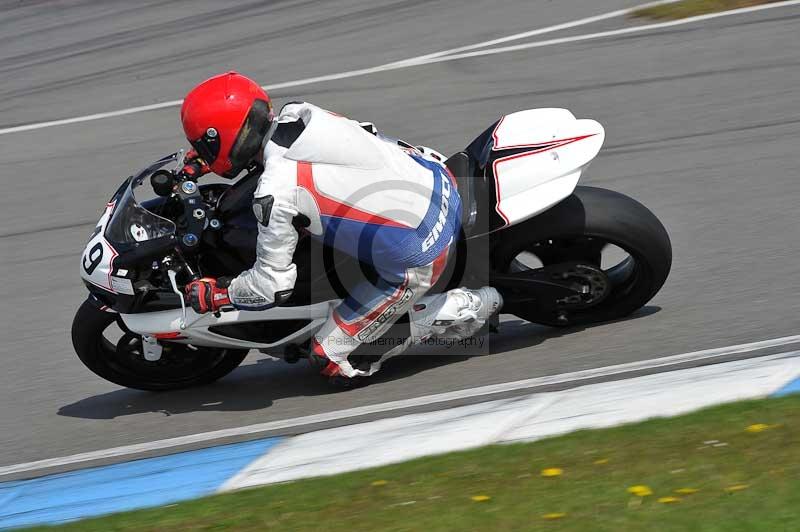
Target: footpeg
293	352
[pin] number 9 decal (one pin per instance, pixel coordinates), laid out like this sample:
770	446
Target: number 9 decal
93	259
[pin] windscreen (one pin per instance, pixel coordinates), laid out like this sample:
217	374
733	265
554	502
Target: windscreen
130	222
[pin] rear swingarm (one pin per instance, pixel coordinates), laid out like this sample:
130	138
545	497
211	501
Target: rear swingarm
549	293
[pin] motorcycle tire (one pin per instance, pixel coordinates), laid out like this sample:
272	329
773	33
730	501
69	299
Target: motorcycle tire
595	217
179	367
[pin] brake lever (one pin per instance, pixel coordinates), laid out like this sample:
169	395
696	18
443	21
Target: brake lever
180	156
172	280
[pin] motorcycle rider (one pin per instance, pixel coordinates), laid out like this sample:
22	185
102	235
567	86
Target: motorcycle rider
388	204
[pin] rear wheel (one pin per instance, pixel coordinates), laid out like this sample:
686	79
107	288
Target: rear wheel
604	230
122	361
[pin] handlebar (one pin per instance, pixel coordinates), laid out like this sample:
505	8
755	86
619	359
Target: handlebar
193	170
183	186
164	182
194	214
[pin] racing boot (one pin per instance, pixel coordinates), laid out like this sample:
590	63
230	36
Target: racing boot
457	313
331	370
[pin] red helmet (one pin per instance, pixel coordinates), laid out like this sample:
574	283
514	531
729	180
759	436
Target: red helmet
225	119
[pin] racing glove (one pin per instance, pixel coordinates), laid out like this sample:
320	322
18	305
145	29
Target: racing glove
194	167
208	294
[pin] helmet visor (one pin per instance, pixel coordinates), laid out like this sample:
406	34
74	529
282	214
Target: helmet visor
251	136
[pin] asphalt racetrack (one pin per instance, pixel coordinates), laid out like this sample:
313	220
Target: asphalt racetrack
702	126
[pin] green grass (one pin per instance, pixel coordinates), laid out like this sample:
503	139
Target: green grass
691	8
598	467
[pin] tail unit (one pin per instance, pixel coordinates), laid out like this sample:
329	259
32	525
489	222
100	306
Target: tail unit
532	160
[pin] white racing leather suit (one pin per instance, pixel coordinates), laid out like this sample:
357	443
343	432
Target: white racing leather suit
388	205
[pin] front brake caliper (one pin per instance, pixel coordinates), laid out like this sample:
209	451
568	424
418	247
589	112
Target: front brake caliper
151	348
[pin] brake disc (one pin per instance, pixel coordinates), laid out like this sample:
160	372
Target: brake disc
590	282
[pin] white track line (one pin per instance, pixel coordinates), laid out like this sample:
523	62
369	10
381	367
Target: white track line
406	63
438	57
534	33
603	34
90	118
575	376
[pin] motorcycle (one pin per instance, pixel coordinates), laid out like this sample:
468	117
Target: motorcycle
528	230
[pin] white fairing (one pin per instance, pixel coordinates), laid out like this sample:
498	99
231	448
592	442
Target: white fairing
167	323
97	262
560	149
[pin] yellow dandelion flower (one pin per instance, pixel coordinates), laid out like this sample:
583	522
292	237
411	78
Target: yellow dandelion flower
552	472
758	427
686	491
480	498
737	487
640	490
379	483
669	500
554	515
601	461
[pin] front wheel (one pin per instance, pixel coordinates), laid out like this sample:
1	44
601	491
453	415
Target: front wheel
602	229
123	363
